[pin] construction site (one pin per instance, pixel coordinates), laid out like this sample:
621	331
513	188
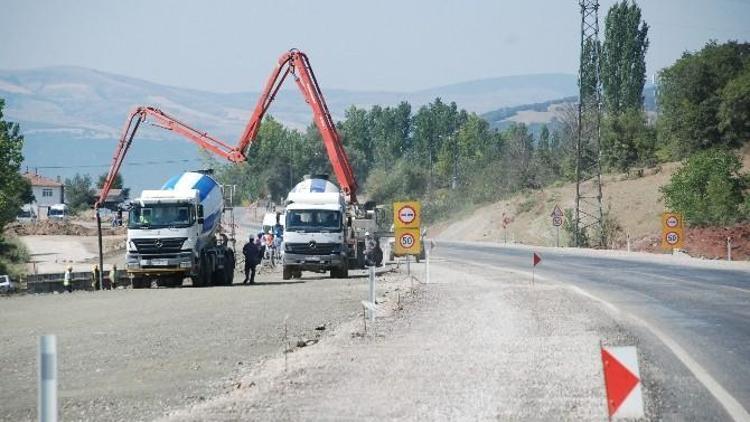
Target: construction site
379	255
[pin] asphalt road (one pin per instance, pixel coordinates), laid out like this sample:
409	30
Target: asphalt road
705	311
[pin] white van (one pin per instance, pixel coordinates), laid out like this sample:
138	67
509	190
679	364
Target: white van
57	212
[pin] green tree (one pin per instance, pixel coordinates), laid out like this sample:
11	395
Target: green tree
708	188
116	184
626	139
15	189
734	110
691	94
623	58
79	192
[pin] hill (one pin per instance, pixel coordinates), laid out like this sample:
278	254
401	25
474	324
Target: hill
72	116
633	199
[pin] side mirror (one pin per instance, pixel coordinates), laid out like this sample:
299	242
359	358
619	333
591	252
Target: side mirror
200	214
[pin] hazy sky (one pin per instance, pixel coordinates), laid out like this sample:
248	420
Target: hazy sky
364	45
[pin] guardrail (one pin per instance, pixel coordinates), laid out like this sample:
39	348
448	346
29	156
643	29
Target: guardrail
53	282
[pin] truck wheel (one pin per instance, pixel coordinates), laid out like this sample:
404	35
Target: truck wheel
344	271
286	272
203	278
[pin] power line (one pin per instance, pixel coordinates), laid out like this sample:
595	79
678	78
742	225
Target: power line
138	163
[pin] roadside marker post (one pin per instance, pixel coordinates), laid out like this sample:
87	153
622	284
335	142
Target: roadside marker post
729	248
47	379
536	259
622	382
371	294
557	220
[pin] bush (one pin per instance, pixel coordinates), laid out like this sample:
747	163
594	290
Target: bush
13	256
709	189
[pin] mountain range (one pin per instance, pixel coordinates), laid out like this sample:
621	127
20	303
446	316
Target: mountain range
71	117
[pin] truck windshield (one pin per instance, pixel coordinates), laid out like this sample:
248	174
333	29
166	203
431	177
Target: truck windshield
313	220
52	212
161	215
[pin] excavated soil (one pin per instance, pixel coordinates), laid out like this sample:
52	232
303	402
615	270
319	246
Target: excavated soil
59	228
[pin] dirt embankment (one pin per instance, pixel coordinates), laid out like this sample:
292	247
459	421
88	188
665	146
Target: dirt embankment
59	228
633	200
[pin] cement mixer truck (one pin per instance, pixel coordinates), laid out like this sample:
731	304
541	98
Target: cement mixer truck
323	232
174	233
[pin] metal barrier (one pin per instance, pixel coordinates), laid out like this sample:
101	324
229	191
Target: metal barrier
53	282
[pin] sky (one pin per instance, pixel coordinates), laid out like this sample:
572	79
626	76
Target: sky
388	45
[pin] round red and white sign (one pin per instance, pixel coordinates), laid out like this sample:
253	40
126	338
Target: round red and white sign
672	221
672	238
407	214
406	240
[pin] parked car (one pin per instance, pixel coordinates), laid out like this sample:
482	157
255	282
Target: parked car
26	215
57	212
7	285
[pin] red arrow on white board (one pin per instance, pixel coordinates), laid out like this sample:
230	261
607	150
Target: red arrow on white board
622	382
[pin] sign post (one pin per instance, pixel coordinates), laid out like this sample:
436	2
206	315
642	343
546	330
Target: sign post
407	221
557	220
672	231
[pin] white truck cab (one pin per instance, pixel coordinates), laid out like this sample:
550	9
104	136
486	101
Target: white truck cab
315	232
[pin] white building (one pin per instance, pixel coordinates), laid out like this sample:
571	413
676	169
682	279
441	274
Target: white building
46	192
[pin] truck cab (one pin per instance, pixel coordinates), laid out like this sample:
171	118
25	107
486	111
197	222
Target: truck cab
172	234
317	229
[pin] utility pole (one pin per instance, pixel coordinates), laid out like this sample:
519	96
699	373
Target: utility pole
588	213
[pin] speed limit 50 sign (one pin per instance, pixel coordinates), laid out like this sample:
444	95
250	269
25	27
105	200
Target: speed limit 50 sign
672	231
407	242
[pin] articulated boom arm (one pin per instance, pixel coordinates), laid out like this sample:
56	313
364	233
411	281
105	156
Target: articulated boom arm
297	64
293	62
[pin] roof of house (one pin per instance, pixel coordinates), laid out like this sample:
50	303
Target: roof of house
37	180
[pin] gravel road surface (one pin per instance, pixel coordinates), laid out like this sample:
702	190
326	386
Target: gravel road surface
134	354
473	345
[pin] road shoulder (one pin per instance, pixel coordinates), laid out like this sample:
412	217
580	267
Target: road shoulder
473	344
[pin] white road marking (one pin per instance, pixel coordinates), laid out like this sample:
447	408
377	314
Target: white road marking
730	404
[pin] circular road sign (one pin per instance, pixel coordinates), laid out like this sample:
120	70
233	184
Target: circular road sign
406	240
407	214
672	221
672	238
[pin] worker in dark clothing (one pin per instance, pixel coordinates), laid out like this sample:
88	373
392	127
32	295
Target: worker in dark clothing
250	251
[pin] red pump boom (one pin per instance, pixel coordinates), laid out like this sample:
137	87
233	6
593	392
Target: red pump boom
293	62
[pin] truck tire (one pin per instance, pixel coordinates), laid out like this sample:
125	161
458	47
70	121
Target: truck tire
340	272
219	277
286	272
203	278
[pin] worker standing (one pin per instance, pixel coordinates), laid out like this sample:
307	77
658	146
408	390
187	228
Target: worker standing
95	278
250	251
68	279
113	275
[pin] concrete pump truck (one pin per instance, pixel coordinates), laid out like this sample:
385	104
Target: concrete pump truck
174	231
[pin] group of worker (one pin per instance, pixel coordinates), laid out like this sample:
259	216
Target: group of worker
114	277
260	246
